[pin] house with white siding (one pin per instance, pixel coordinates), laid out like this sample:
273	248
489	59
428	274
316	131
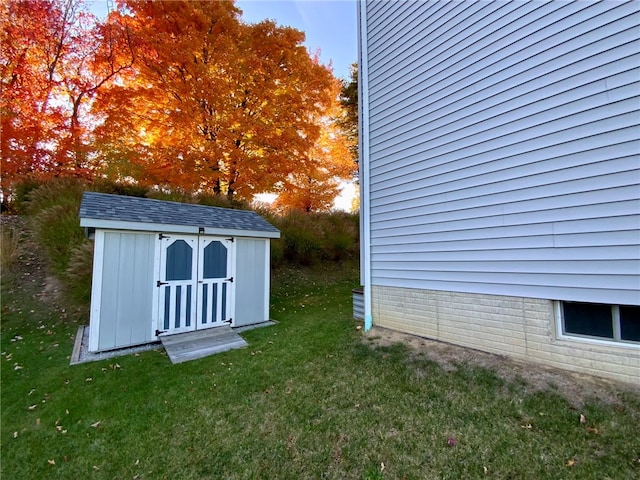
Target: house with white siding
500	177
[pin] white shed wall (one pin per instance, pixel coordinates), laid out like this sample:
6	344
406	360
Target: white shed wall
122	296
504	148
252	281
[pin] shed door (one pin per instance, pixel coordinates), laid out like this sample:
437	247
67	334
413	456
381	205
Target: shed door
196	283
177	284
215	282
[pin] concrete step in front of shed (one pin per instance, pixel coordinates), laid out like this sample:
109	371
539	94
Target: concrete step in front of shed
183	347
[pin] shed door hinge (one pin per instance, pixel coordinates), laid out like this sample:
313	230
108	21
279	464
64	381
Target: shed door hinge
230	280
159	283
161	236
158	332
230	239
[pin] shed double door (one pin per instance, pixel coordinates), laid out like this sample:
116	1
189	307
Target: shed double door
195	284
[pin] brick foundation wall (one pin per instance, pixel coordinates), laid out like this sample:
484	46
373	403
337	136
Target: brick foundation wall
522	328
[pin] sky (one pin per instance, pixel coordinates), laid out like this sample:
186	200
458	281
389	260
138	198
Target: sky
329	25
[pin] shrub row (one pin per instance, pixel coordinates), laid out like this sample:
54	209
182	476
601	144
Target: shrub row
311	238
53	211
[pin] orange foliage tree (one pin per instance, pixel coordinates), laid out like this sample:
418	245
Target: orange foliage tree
214	104
315	183
176	94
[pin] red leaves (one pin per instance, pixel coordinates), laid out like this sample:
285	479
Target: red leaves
57	57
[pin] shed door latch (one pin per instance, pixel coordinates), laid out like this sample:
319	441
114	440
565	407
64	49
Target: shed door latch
159	283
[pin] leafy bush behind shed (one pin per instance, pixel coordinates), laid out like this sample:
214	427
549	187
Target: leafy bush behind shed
53	211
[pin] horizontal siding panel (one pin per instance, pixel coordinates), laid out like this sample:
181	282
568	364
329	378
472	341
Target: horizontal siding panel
507	168
474	226
564	267
404	18
617	199
593	281
572	82
450	111
382	11
410	24
420	253
612	187
510	179
443	47
597	290
539	128
505	148
527	140
419	163
524	52
517	214
513	238
570	109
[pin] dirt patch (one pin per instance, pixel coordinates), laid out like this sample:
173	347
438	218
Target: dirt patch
576	388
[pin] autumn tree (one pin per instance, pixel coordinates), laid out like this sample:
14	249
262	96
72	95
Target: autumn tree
162	125
213	104
168	94
54	58
34	36
315	183
349	119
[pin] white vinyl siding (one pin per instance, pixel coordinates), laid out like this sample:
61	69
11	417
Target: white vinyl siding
504	149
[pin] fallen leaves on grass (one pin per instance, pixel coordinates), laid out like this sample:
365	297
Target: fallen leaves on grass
96	424
570	463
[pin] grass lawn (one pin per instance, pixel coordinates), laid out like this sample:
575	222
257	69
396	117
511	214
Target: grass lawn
307	399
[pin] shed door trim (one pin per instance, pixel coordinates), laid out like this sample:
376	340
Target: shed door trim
195	283
177	283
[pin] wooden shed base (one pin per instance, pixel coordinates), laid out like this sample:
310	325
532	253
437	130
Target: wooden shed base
183	347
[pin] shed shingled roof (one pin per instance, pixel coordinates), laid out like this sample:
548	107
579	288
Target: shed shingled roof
119	208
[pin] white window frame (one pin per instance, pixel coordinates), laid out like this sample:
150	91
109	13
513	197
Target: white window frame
616	341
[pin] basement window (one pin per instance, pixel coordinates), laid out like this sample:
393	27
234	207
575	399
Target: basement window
618	323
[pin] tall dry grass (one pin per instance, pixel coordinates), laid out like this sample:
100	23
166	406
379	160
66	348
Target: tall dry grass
10	247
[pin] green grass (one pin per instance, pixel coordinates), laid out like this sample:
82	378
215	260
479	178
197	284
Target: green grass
307	399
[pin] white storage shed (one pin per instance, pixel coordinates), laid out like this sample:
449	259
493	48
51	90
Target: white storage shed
161	268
